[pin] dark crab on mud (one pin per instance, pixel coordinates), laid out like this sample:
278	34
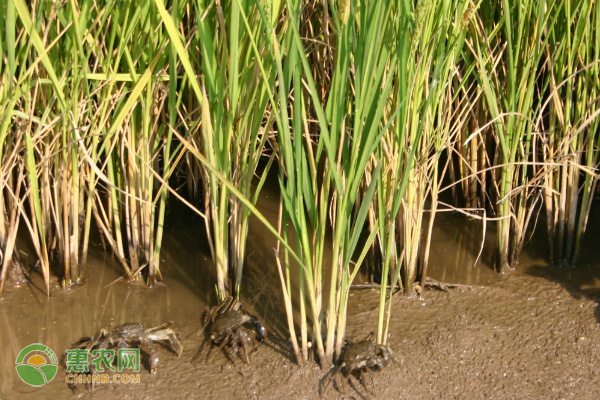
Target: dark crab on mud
231	327
134	335
362	357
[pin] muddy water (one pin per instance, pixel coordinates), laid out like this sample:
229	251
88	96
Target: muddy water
532	333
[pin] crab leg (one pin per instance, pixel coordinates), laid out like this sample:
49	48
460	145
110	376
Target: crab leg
245	351
150	349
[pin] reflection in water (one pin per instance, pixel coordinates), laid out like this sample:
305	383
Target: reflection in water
455	246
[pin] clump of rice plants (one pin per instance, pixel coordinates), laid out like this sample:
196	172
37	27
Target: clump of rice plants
49	120
507	41
234	126
323	164
135	150
570	142
229	135
425	116
366	107
83	121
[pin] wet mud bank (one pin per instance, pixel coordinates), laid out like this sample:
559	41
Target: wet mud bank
531	333
484	342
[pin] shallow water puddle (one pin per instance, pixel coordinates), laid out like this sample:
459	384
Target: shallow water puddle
28	316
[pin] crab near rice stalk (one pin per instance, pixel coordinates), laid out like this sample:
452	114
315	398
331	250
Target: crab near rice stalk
362	357
231	327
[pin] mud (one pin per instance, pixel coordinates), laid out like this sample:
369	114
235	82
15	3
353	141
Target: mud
531	333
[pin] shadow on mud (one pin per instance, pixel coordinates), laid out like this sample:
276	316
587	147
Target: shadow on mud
582	281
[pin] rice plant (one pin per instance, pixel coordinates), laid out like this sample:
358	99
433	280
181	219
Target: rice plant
570	142
48	120
228	137
425	114
234	125
323	163
11	169
137	150
508	40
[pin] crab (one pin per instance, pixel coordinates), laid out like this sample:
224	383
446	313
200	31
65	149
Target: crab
135	334
231	327
362	357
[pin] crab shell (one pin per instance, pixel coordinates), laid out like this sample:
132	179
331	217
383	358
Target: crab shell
365	354
231	316
233	329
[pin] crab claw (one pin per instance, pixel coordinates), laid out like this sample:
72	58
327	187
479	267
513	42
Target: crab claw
261	331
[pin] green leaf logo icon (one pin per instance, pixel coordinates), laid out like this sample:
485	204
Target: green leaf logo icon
36	365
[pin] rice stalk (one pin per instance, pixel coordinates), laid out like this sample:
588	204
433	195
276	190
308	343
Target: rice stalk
136	146
323	164
508	50
11	167
429	112
38	104
233	125
571	138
